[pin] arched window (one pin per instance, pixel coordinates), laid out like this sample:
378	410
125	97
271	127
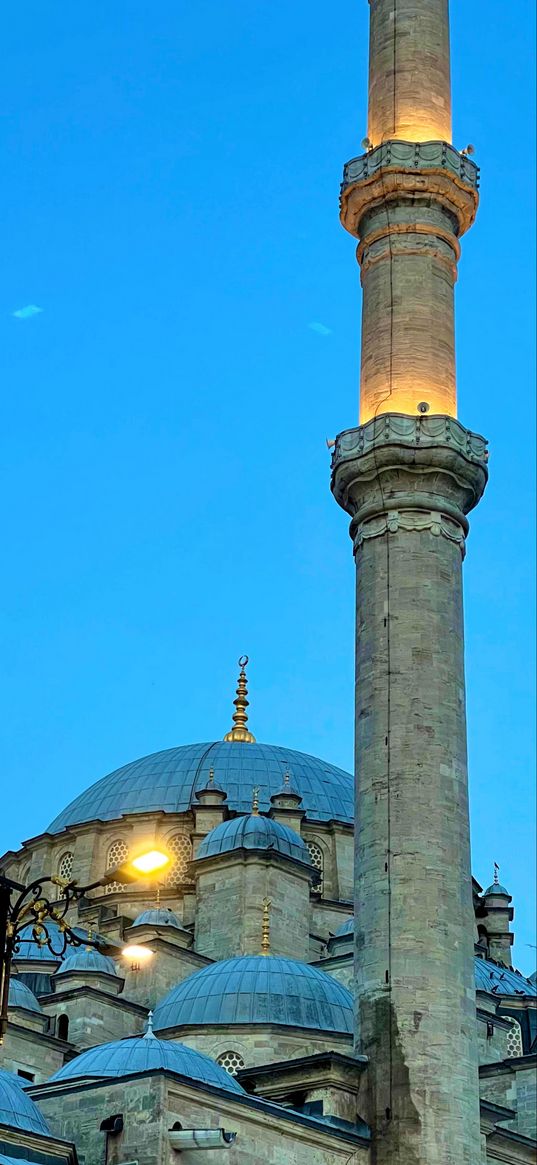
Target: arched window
231	1061
63	1027
65	869
118	853
180	851
65	865
317	861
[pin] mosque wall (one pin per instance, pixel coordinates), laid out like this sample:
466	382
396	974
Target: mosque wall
94	1018
152	1104
262	1044
513	1085
24	1050
229	906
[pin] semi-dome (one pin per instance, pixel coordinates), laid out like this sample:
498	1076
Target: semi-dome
158	916
258	989
17	1110
256	833
167	782
21	996
145	1054
86	961
500	980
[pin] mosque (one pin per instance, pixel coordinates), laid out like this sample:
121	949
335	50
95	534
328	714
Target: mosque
317	978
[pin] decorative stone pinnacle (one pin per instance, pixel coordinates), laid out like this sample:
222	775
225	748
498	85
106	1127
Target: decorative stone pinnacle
265	927
255	801
240	732
149	1033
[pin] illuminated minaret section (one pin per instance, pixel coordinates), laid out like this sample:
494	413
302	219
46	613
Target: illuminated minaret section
408	476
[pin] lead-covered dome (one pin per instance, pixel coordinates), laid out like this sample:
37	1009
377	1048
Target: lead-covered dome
167	782
258	989
83	962
146	1054
500	980
157	916
255	833
21	996
17	1110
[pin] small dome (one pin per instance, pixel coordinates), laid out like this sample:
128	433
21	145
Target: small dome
32	951
253	832
146	1054
87	962
499	980
345	928
157	917
17	1110
496	889
21	996
258	989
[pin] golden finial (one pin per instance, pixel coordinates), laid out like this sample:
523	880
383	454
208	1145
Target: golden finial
255	801
240	716
265	928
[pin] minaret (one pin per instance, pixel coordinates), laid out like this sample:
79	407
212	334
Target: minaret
408	475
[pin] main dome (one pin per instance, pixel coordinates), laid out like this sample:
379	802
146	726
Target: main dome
167	782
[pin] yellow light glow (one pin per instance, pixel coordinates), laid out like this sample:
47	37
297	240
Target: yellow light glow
137	954
151	862
407	399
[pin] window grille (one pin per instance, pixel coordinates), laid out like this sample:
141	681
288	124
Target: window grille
231	1061
118	853
180	851
65	866
316	858
514	1041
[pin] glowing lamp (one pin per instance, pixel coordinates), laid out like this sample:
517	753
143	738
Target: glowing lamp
145	865
137	955
150	863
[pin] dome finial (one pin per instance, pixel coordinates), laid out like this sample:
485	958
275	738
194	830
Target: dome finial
255	801
496	878
149	1033
265	927
240	732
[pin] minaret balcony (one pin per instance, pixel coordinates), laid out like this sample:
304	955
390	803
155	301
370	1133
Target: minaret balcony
398	471
398	169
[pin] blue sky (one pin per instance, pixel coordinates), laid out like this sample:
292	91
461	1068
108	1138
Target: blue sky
170	203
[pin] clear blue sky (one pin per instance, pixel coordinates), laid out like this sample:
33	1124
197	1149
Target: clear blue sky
170	202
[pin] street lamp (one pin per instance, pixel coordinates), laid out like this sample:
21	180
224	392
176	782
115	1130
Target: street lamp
22	906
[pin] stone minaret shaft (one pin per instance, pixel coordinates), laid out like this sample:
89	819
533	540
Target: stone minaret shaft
408	476
409	246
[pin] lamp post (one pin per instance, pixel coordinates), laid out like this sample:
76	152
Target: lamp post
32	905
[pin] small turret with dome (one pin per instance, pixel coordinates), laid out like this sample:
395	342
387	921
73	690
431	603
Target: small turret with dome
256	856
495	916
